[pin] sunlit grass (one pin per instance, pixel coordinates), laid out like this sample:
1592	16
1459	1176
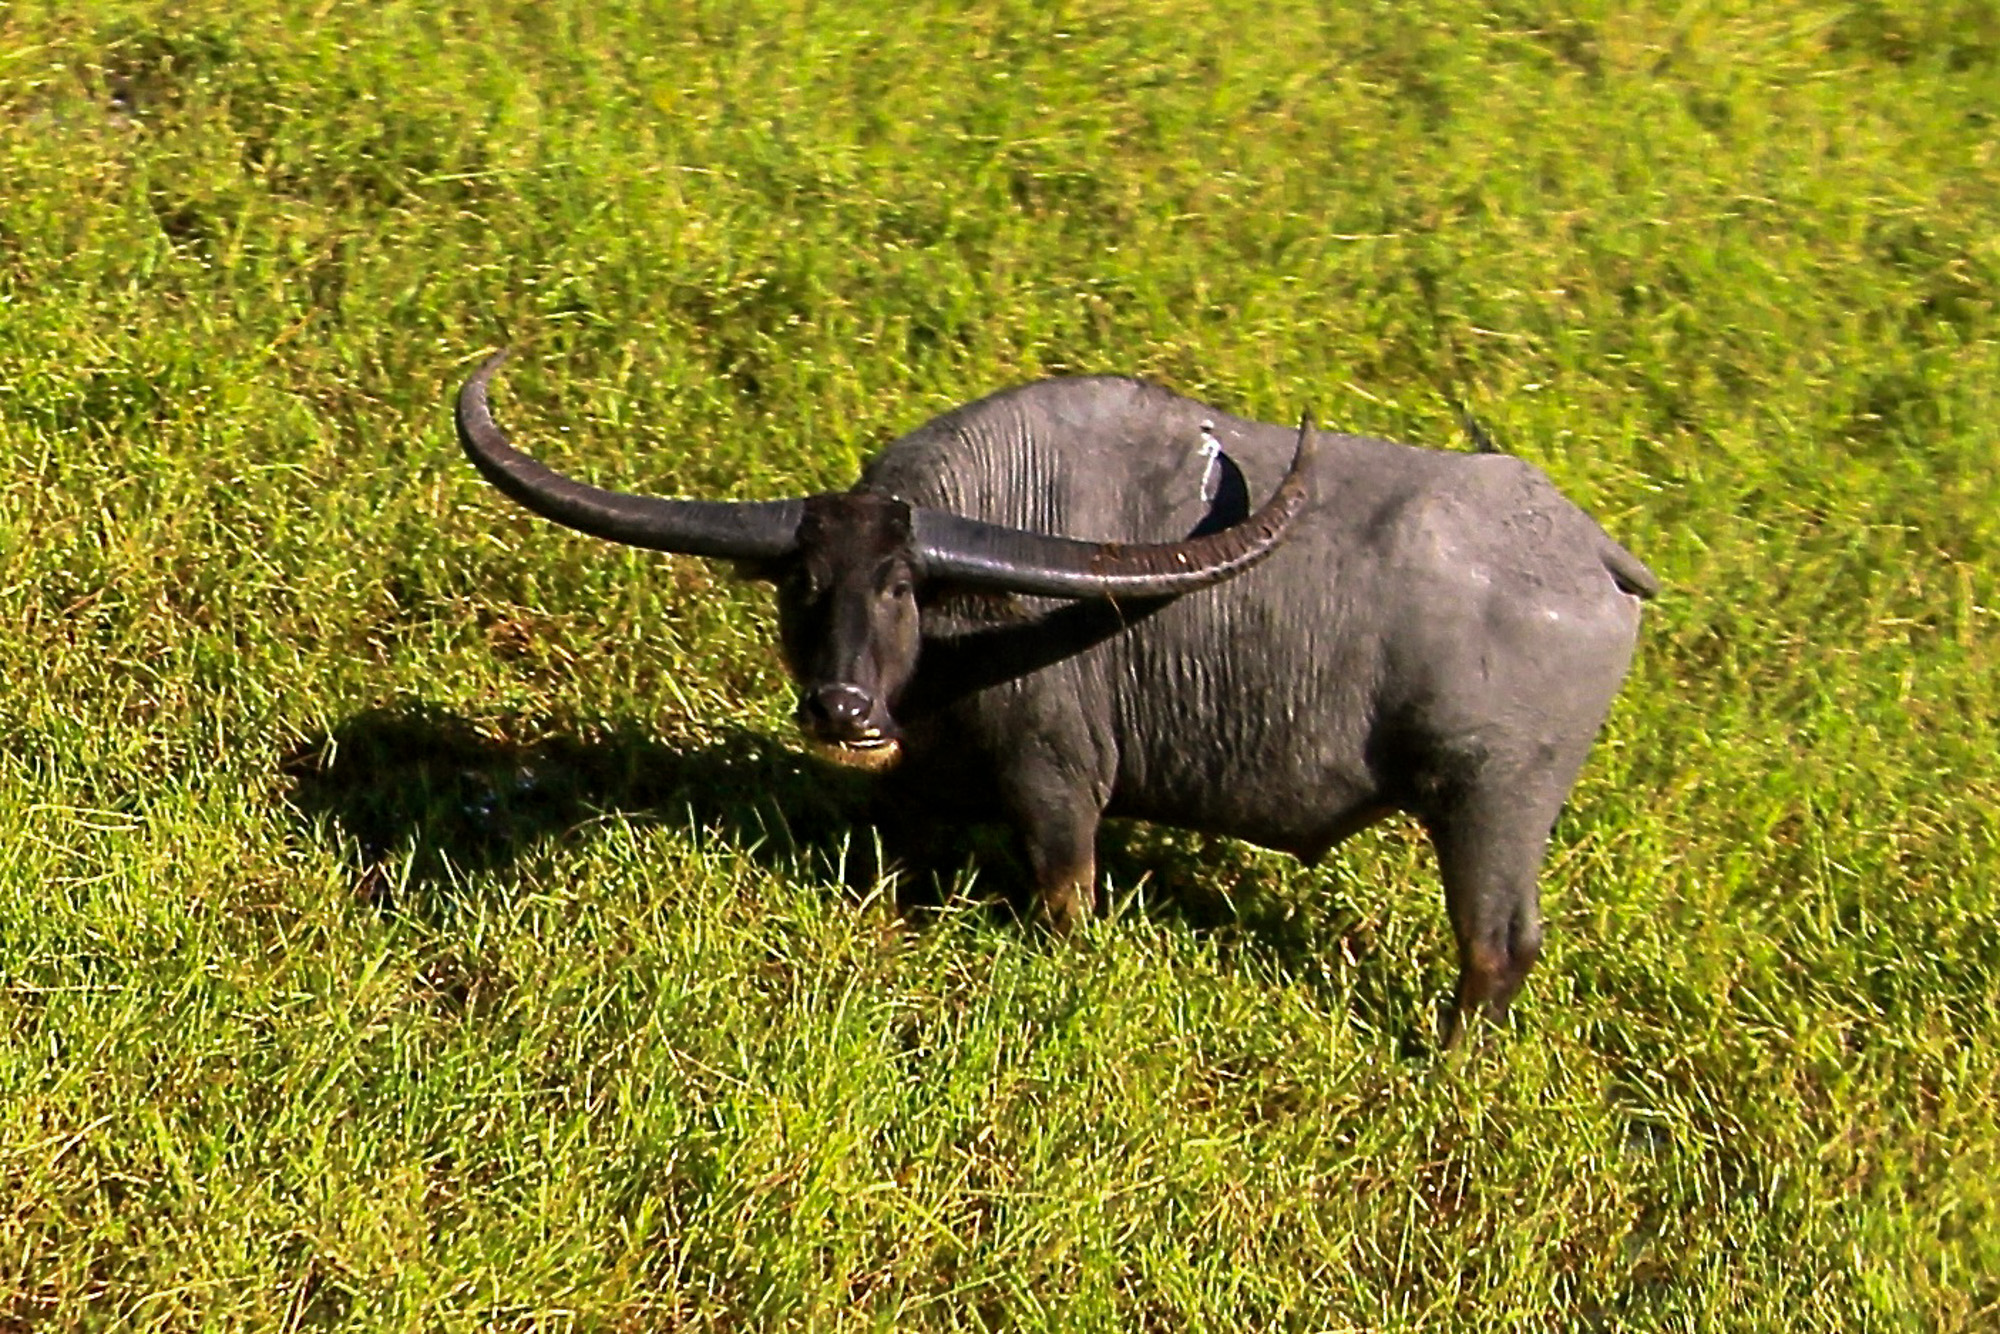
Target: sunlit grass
411	916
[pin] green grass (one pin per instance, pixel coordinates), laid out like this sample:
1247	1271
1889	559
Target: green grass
412	917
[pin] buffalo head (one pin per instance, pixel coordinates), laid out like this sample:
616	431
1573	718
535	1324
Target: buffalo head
851	568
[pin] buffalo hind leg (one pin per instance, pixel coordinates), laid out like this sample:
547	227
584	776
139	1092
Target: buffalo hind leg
1490	846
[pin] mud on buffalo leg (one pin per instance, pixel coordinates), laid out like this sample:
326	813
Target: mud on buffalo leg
1057	822
1490	842
1066	893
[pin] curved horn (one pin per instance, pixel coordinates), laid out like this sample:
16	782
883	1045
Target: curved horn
1011	560
725	530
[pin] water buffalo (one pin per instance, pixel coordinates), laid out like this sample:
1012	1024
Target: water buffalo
1392	629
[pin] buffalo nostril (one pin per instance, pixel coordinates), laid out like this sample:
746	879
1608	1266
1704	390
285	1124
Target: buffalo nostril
839	708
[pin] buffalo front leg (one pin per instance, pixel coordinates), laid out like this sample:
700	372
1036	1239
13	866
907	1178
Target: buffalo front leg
1065	891
1058	830
1490	847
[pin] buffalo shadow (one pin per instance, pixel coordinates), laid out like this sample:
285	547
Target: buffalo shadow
418	798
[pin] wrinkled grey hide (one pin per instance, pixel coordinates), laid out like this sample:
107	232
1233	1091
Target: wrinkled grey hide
1439	633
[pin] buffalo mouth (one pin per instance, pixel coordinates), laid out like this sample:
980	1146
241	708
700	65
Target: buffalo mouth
872	751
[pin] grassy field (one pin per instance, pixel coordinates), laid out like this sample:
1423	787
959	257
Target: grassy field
412	917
